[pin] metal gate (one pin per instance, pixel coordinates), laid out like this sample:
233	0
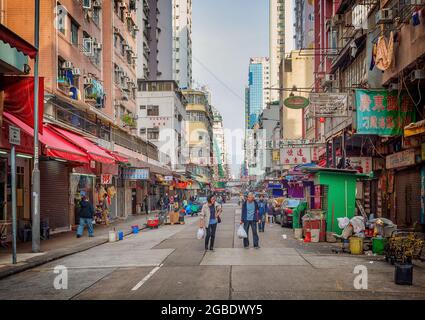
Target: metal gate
408	197
54	193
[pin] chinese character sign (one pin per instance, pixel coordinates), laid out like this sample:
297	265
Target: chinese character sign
295	155
135	174
383	112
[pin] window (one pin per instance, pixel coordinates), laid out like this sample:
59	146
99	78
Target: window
96	15
153	134
153	111
142	130
74	33
142	107
200	138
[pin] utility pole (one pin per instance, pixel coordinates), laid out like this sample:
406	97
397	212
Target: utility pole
35	214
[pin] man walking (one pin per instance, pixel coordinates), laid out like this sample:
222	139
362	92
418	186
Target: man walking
250	217
262	210
86	217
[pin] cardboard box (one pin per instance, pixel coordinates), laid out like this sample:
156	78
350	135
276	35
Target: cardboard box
174	217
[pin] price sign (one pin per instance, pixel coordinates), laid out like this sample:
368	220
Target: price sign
106	178
14	135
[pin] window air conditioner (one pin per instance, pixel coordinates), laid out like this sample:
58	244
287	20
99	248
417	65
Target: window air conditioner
384	16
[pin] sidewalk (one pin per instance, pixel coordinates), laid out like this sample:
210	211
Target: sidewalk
63	244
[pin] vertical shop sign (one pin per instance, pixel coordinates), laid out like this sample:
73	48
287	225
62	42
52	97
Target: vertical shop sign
382	112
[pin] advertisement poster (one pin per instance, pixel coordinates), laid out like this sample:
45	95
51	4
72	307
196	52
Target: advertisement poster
382	112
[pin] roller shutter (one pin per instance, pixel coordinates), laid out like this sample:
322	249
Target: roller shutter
408	197
54	190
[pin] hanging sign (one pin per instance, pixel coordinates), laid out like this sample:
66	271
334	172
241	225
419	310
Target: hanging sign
295	155
382	112
329	104
400	159
106	179
14	135
296	102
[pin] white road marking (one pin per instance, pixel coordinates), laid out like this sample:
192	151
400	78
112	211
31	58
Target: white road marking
150	274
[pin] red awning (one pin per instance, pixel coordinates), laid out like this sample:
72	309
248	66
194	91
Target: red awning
15	41
117	157
95	152
55	145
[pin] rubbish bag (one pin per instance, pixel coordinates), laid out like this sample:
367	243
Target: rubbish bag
343	222
242	233
200	234
358	224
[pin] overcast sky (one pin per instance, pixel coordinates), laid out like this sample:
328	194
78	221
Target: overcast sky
226	33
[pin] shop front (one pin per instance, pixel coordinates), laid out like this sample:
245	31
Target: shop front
134	182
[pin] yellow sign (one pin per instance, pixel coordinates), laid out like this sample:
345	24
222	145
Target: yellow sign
414	128
276	155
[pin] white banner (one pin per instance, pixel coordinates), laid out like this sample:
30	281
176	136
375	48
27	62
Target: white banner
329	104
295	155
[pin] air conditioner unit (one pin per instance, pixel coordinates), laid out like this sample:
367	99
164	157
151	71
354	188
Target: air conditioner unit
67	65
417	74
128	15
116	30
338	19
123	4
87	4
136	28
96	4
97	46
88	80
384	16
76	72
330	77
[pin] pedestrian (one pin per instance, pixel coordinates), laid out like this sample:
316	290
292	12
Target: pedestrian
145	204
105	209
166	202
210	217
250	217
262	210
86	217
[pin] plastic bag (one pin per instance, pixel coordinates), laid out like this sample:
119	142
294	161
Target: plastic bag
358	224
242	233
200	234
343	222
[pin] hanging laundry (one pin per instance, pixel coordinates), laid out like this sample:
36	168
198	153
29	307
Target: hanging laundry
74	93
372	60
384	52
69	76
415	18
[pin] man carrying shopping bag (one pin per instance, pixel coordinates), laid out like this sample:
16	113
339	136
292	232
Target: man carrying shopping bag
250	218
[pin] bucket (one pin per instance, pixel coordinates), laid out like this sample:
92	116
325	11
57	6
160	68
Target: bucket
298	233
135	229
112	236
378	245
403	274
356	245
120	235
307	237
315	235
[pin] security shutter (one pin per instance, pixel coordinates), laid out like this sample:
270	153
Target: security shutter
408	197
54	190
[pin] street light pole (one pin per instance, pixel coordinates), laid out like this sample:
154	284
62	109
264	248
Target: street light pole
35	212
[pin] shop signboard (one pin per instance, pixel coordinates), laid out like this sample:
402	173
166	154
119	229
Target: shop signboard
14	135
274	186
383	112
276	155
363	162
400	159
106	178
296	102
135	173
329	104
168	178
295	155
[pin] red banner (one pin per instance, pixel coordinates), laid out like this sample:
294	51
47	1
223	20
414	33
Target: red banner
19	98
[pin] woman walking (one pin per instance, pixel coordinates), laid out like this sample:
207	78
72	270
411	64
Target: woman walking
210	216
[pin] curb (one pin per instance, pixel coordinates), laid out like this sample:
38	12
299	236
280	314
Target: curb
52	256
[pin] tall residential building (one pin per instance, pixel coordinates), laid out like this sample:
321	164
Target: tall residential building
220	153
182	42
257	93
304	24
154	41
276	43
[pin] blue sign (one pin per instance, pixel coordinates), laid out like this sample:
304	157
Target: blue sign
135	173
275	186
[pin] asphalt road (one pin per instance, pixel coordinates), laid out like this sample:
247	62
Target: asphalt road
170	263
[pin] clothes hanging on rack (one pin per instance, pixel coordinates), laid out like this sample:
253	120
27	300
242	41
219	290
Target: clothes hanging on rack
372	60
384	52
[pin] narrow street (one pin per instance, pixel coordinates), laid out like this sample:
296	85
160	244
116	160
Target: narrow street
170	263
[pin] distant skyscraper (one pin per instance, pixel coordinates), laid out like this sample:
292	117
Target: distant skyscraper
257	93
182	42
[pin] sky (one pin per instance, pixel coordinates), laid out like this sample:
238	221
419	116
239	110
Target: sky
225	34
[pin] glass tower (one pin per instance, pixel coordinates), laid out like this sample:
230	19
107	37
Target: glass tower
255	93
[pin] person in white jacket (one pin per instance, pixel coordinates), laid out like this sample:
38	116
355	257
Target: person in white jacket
210	217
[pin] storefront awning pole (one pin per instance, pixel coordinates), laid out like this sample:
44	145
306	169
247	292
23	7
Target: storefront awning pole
35	214
13	172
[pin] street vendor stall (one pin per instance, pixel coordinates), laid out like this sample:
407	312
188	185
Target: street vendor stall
337	193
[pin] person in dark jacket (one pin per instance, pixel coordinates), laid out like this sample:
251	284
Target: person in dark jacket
86	217
262	210
250	217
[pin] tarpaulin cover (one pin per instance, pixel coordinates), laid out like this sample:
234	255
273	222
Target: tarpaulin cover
15	41
19	98
55	145
95	152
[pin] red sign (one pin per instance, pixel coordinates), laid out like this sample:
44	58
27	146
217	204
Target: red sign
106	179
